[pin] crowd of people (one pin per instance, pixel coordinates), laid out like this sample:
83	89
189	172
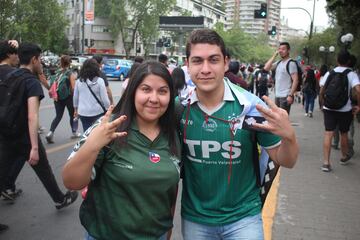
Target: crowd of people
200	122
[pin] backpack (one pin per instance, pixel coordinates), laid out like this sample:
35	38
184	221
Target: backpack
299	72
336	89
263	80
13	110
63	82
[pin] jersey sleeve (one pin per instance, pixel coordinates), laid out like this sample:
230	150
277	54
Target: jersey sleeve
101	155
268	140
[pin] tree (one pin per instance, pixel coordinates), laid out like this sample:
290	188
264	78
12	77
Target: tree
243	46
129	18
5	18
43	25
346	14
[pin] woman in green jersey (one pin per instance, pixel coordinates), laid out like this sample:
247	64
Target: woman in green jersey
129	160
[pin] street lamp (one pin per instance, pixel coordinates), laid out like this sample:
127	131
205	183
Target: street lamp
347	40
326	51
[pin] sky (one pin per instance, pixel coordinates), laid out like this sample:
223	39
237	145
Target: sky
299	19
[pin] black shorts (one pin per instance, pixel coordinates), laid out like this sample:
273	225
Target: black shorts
332	119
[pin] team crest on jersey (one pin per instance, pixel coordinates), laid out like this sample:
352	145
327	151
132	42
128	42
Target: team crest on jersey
235	122
210	125
154	157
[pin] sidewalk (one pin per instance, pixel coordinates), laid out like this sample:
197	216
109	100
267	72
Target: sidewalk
313	205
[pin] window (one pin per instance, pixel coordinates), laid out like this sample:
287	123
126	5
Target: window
100	28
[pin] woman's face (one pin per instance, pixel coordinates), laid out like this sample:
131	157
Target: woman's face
152	98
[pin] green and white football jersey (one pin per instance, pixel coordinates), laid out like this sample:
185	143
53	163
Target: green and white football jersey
215	189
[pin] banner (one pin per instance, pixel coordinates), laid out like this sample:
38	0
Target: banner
89	11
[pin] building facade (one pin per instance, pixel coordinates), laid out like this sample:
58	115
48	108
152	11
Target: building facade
241	12
98	39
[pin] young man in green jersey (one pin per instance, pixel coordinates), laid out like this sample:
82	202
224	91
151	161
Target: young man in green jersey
220	198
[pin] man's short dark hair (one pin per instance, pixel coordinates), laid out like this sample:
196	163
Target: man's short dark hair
138	59
205	36
27	51
162	58
98	58
234	67
343	57
285	44
6	49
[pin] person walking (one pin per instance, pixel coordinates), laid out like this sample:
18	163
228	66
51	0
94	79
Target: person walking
220	198
286	76
334	88
99	60
309	91
65	80
263	79
129	160
22	143
90	96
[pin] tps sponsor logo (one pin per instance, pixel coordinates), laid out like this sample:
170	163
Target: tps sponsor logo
210	125
154	157
208	147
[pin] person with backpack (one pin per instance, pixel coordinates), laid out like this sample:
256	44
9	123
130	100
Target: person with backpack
263	79
90	97
335	96
64	82
221	197
20	95
309	91
8	61
232	74
287	76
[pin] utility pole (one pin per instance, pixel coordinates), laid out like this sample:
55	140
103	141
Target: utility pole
83	28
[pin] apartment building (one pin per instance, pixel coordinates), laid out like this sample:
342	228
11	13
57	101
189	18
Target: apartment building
242	12
99	34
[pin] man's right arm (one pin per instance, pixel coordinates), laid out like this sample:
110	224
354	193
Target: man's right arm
269	63
33	124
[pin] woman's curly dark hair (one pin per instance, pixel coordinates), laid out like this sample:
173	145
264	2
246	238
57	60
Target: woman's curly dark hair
89	70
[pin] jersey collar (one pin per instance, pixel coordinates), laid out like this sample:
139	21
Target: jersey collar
228	96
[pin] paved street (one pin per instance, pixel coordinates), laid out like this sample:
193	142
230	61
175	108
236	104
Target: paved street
311	205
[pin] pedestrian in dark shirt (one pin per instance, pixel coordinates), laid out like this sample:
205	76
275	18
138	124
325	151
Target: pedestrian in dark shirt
26	145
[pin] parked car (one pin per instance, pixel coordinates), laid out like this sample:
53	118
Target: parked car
116	68
77	62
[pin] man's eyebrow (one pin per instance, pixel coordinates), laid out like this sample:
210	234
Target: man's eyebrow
211	56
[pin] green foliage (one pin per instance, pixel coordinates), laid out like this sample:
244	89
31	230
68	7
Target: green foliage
39	21
346	14
243	46
128	18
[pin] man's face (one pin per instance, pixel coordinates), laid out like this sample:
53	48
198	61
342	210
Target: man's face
283	51
206	66
13	59
37	66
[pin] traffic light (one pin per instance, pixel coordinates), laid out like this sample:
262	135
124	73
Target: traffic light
262	12
272	32
92	42
167	43
159	43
